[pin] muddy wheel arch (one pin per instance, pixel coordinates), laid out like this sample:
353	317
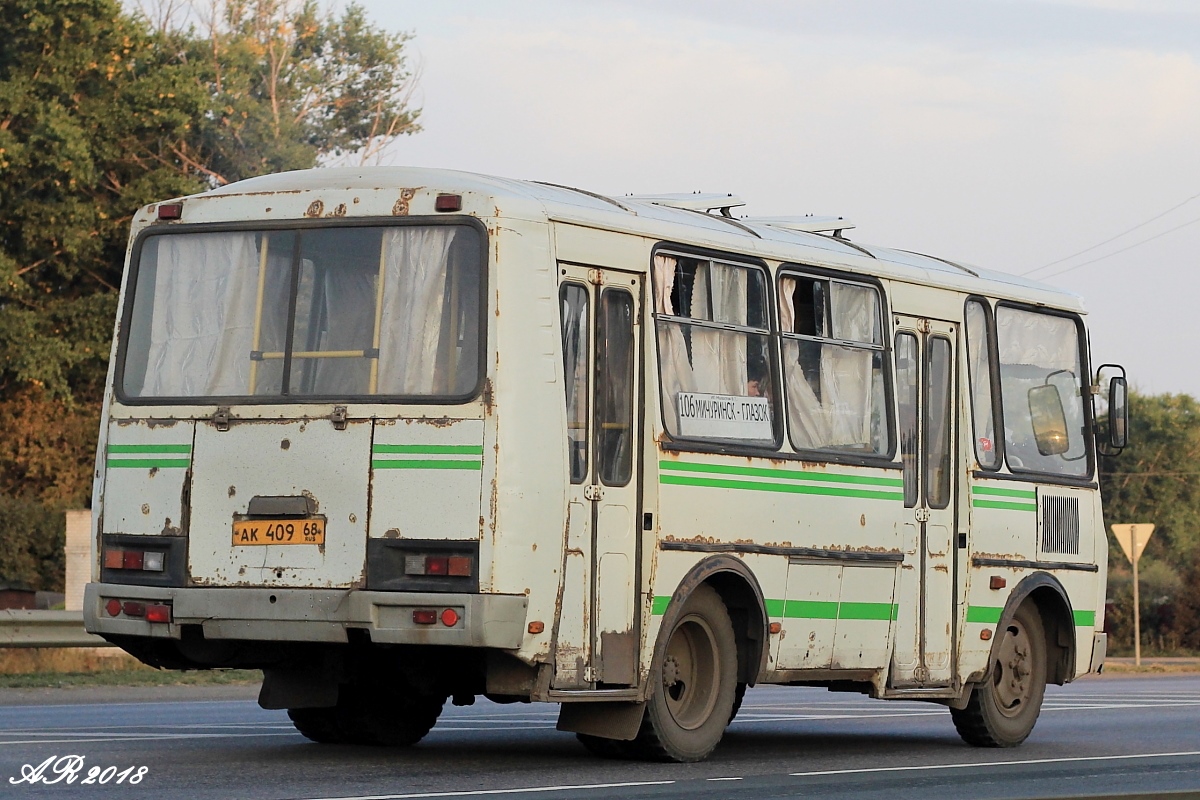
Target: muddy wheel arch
743	598
1058	617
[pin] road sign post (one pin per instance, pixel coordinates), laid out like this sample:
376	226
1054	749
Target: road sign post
1132	539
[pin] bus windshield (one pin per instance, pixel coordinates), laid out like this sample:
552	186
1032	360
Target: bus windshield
332	312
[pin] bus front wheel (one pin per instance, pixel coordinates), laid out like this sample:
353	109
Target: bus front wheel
694	684
1002	710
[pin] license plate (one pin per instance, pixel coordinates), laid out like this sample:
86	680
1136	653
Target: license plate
251	532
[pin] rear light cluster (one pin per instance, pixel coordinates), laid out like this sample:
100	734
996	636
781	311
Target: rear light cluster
430	616
147	560
454	566
151	612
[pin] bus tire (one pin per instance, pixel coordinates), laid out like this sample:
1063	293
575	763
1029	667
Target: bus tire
321	725
693	686
393	719
1002	710
738	696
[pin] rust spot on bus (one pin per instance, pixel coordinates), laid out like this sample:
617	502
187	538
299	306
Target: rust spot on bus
315	209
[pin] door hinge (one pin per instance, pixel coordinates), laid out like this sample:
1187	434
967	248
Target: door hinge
589	674
593	492
922	515
338	418
220	419
924	326
596	277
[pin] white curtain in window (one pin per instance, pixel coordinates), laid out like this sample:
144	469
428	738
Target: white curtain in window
855	313
808	420
674	369
202	322
414	291
846	389
349	312
719	357
979	368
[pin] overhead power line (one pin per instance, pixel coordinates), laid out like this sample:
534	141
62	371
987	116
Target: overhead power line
1114	238
1122	250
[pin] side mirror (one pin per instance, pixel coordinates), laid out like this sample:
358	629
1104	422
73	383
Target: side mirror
1113	433
1049	420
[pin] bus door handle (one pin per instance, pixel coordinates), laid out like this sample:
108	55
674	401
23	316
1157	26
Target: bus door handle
593	492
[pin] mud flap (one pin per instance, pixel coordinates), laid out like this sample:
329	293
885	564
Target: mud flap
287	688
620	721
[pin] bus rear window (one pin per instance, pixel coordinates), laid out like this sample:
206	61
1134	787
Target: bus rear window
315	313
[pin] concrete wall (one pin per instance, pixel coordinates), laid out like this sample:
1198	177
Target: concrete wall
79	557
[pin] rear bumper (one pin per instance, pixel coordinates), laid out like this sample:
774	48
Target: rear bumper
313	615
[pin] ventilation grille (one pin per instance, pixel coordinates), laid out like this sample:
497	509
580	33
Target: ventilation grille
1060	525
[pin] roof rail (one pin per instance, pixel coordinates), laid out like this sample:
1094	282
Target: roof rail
697	201
805	224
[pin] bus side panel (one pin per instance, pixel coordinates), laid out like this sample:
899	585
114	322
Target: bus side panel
146	470
426	479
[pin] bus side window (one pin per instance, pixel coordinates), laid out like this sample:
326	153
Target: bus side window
979	369
614	387
574	301
907	376
833	365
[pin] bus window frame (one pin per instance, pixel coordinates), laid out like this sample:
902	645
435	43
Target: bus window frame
1088	433
993	382
886	332
159	229
700	445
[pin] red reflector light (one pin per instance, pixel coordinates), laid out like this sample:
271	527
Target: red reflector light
170	211
133	559
158	613
134	609
460	566
113	607
437	565
448	202
424	616
114	559
449	617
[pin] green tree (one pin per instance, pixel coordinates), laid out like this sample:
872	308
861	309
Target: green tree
101	112
1156	480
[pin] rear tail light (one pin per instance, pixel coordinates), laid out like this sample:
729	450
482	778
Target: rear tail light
449	617
451	566
147	560
151	612
424	616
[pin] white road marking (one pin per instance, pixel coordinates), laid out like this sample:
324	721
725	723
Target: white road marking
977	764
723	779
482	792
158	737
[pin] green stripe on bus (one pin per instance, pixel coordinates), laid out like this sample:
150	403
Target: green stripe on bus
792	488
1003	506
149	448
1025	494
786	474
149	463
988	615
1085	619
430	449
810	609
422	463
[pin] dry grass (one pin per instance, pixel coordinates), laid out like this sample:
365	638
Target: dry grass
49	667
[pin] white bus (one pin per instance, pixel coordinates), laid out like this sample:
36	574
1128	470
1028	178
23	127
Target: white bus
397	436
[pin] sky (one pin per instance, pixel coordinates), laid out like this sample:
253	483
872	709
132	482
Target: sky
1009	134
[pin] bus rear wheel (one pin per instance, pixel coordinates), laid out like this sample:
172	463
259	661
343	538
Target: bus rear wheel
1003	709
694	685
363	716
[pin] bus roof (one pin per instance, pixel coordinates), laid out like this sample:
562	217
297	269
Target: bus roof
535	200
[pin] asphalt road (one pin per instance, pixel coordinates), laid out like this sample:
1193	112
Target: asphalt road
1099	736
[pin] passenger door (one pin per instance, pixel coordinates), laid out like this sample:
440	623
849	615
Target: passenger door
926	394
596	640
